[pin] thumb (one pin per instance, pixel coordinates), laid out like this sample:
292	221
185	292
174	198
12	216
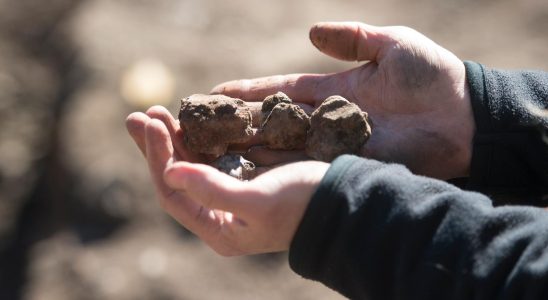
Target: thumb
206	185
351	41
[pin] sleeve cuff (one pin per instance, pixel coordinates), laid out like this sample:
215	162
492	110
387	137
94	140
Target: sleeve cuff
482	149
320	221
476	83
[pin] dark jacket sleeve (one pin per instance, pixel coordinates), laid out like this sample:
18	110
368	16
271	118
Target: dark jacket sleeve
510	154
376	231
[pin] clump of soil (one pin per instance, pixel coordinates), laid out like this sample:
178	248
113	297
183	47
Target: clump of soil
270	101
286	125
212	122
236	166
336	127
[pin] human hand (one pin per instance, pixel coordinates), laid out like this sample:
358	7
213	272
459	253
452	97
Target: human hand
231	216
414	91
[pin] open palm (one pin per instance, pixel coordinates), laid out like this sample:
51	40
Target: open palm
414	91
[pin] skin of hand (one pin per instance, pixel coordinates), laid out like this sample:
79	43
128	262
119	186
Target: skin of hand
233	217
414	91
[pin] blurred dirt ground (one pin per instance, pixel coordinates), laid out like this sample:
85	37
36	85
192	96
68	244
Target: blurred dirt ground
78	218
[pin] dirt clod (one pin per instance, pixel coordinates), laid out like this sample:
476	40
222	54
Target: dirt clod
285	127
271	101
212	122
336	127
235	166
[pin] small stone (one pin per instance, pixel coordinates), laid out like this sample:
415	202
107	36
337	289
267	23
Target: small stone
235	166
271	101
336	127
285	127
212	122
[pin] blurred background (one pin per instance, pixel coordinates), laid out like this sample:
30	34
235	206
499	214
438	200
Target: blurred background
78	218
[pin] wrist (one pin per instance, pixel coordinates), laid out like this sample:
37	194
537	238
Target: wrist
455	127
468	130
463	127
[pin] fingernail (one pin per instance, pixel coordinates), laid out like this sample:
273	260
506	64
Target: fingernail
313	36
316	37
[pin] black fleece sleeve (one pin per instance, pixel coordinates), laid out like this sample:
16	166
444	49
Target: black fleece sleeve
510	154
376	231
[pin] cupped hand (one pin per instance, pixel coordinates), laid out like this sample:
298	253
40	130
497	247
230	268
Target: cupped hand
414	91
233	217
237	217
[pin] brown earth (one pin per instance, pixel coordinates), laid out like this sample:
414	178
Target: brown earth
285	127
212	122
78	218
337	127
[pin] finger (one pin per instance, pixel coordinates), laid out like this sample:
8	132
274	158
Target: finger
262	156
259	170
160	151
135	124
161	113
177	136
304	88
177	203
207	186
351	41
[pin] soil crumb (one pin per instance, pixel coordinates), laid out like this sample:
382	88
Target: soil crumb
212	122
337	127
286	127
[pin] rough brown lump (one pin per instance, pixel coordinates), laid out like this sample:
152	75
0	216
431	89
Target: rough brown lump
270	101
286	125
336	127
212	122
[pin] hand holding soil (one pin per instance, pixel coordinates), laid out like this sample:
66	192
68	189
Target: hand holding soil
414	91
419	105
233	217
